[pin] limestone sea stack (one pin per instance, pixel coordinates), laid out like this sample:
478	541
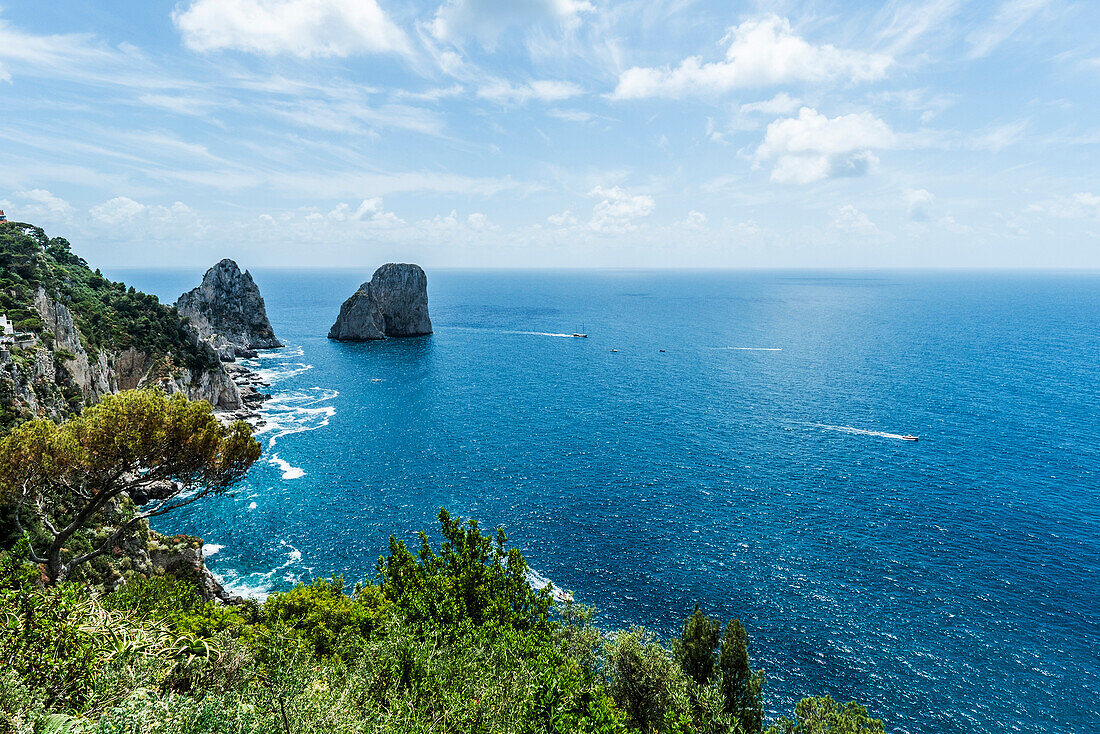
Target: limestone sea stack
228	313
393	303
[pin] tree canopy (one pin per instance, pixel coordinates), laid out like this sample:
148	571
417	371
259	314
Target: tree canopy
58	477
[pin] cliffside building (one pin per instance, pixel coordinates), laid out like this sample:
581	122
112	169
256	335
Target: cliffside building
3	217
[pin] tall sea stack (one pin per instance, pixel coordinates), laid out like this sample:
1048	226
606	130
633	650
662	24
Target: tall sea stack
228	313
393	303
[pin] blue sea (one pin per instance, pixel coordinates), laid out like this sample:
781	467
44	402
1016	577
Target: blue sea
727	438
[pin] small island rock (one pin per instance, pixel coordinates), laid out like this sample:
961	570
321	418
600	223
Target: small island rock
393	303
228	313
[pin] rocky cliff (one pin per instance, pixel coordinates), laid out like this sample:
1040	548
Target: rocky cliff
88	336
228	313
393	303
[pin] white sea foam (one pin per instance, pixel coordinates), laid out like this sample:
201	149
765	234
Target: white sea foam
538	581
292	412
260	584
289	472
209	549
856	431
752	349
252	505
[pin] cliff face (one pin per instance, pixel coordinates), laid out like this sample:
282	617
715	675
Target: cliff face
54	380
228	313
89	336
394	303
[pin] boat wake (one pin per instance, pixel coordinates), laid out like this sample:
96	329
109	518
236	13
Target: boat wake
752	349
858	431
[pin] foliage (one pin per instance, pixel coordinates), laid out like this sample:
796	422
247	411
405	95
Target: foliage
325	618
740	685
695	648
428	655
107	314
473	579
64	476
824	716
645	681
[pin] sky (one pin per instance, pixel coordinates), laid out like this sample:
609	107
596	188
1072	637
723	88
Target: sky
556	133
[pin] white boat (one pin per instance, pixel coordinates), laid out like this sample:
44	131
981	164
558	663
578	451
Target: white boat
910	438
580	336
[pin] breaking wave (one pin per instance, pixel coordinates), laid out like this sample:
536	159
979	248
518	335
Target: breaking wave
260	584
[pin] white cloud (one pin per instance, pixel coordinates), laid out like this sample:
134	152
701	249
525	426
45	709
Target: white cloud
618	209
486	20
542	90
565	218
695	220
303	28
40	204
1082	205
116	211
780	104
850	219
475	222
812	147
368	212
1008	19
919	203
4	75
762	52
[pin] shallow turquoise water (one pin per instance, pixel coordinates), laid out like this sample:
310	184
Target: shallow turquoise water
753	466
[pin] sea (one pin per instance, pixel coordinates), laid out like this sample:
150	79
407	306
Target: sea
732	439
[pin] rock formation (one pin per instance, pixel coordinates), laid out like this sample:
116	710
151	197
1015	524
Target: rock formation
228	313
393	303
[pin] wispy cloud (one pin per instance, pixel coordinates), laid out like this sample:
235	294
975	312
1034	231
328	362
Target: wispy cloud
1009	18
487	20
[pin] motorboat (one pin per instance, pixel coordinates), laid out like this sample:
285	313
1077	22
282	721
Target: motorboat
580	336
910	438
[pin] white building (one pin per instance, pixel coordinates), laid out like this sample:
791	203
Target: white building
7	328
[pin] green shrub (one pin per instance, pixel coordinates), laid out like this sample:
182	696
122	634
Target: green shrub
473	579
326	618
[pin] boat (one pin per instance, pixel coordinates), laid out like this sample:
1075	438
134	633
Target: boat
580	336
910	438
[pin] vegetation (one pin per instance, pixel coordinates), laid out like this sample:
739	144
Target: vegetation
450	639
154	657
62	477
107	314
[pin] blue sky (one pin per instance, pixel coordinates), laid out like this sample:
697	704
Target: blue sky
556	133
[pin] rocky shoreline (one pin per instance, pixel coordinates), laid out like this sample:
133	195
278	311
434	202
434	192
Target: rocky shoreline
251	388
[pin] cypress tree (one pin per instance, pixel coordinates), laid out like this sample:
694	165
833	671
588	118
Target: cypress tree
740	685
695	648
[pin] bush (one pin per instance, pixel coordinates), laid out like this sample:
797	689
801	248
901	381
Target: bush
474	579
328	620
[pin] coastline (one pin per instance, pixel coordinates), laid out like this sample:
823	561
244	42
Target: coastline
249	384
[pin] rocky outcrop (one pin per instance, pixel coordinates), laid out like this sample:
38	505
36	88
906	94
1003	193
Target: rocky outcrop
228	313
54	377
393	303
